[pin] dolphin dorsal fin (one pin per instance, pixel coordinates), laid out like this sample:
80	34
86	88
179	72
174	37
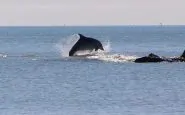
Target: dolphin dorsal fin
183	55
81	36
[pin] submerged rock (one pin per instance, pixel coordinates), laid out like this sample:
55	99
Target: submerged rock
150	58
155	58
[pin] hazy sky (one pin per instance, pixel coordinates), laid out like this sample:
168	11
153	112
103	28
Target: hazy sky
91	12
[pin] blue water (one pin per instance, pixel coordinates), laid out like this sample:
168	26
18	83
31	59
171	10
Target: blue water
36	79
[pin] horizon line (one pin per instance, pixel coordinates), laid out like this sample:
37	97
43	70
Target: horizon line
126	25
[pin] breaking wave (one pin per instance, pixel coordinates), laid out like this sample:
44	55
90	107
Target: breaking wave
66	44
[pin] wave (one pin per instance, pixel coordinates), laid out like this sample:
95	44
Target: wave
28	56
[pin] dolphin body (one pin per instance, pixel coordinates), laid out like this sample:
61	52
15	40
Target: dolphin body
85	43
155	58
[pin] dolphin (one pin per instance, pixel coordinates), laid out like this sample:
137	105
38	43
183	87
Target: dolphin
85	44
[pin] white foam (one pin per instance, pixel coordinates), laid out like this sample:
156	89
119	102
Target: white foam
83	53
3	55
107	46
112	57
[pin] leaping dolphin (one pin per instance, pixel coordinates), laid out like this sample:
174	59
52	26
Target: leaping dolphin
85	43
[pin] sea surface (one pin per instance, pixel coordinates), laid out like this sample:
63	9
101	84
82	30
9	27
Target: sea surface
38	78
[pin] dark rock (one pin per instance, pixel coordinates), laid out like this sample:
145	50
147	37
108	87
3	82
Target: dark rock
150	58
155	58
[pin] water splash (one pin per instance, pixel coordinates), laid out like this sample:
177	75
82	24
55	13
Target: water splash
107	46
65	45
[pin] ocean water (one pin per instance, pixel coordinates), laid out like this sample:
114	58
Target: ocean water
38	78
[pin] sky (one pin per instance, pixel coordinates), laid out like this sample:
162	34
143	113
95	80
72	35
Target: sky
91	12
